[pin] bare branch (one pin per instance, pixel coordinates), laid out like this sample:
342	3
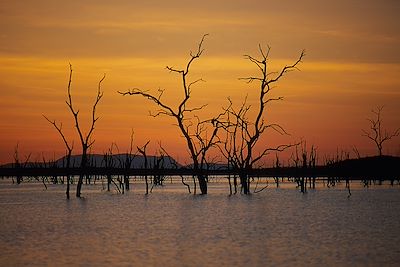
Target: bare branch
264	55
194	82
142	149
94	118
59	130
276	127
172	69
156	100
71	107
287	68
195	108
251	79
255	61
84	140
200	51
266	151
273	99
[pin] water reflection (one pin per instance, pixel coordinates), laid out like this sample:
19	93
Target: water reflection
279	226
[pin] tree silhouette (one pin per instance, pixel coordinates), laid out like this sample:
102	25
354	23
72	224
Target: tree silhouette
142	150
242	132
68	146
18	164
110	163
128	161
192	128
376	133
85	139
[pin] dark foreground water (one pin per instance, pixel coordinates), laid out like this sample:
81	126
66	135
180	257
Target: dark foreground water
277	227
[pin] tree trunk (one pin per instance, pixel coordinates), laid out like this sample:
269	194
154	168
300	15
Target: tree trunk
202	183
194	184
245	182
67	192
147	184
82	174
235	183
230	184
68	176
126	182
302	186
108	182
79	185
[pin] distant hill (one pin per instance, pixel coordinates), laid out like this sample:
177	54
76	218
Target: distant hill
97	160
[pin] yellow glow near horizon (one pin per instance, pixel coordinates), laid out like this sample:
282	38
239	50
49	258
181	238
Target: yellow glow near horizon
351	66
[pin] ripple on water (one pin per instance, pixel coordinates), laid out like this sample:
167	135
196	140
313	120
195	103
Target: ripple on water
173	228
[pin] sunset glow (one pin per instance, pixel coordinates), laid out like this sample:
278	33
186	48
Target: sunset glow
352	65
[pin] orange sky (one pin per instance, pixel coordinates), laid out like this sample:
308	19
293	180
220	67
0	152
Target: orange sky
352	64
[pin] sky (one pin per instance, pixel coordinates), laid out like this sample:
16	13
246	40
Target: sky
352	65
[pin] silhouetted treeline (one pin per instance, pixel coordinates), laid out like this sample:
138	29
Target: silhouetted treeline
97	160
368	167
387	167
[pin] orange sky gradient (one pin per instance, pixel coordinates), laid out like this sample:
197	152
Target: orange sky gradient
352	65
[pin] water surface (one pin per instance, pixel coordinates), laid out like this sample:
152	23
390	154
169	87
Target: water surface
277	227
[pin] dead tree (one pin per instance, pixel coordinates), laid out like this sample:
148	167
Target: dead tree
184	115
175	166
142	150
309	162
128	162
203	143
68	146
158	164
109	163
296	161
376	133
277	167
85	139
242	133
118	162
18	164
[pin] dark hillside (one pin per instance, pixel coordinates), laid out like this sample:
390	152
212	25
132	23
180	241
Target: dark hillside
97	160
373	167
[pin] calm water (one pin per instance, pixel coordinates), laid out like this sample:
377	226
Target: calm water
277	227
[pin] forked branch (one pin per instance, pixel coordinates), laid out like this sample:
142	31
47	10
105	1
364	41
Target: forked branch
84	138
59	130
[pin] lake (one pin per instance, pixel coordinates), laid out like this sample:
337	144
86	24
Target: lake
276	227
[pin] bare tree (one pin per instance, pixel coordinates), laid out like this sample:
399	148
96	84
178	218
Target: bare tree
158	164
142	150
309	160
85	139
376	133
18	164
174	165
190	127
242	133
109	162
129	157
68	146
